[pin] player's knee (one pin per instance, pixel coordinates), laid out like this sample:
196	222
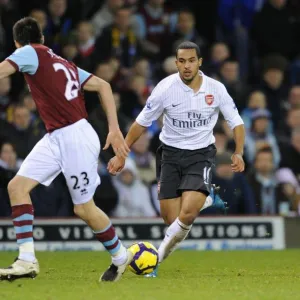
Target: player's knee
80	211
168	219
85	211
187	216
16	189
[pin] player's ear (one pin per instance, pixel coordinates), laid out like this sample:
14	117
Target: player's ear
18	45
200	61
43	40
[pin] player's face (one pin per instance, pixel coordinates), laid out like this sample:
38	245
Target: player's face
188	64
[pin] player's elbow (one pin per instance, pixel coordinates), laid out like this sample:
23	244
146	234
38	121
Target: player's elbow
103	85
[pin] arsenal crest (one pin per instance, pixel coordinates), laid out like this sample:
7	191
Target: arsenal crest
209	99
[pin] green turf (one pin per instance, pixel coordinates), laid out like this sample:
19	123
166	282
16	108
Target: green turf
185	275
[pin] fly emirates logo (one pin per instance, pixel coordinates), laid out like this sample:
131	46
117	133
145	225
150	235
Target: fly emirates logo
193	120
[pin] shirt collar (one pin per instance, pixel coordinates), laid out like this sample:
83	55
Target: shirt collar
188	89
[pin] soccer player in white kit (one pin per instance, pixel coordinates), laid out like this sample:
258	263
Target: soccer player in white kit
71	146
190	103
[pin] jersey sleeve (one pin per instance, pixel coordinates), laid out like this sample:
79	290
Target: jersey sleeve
229	109
153	108
84	76
25	60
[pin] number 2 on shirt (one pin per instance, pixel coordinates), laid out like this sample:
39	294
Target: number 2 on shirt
72	86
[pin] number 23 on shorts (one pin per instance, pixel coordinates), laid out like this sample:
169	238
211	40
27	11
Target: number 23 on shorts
83	178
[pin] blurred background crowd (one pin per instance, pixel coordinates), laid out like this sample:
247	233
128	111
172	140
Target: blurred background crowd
251	46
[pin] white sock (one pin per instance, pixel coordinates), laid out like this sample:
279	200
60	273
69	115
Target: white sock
26	252
176	233
120	257
208	202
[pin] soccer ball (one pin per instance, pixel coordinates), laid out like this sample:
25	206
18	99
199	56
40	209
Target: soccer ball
145	258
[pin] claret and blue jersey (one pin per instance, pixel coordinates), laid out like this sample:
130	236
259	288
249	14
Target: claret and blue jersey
55	84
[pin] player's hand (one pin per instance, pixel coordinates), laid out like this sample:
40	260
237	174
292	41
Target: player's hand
115	165
238	164
116	140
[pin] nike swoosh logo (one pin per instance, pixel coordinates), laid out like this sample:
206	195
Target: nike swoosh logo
174	105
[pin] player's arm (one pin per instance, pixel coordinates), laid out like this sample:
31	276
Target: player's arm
102	88
151	112
6	69
235	122
134	133
24	60
239	139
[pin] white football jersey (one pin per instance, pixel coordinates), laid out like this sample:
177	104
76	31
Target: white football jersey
188	117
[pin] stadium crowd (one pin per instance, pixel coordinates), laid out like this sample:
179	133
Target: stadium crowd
251	46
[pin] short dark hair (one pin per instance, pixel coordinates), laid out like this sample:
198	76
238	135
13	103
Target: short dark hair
188	45
27	31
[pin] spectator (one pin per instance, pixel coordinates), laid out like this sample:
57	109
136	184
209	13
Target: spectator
69	49
58	24
294	97
56	199
222	139
185	31
86	46
155	141
235	20
229	76
27	100
144	159
152	22
263	182
256	100
22	132
273	85
291	153
142	68
105	16
134	99
234	187
40	16
2	41
119	41
219	53
169	66
292	121
98	120
106	71
9	163
5	86
273	30
289	190
134	196
259	137
106	195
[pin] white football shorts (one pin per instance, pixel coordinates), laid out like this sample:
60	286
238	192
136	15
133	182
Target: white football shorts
73	150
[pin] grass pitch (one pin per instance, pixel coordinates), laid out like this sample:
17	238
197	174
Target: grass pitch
186	275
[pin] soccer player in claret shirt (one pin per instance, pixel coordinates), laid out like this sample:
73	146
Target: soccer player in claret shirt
71	146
